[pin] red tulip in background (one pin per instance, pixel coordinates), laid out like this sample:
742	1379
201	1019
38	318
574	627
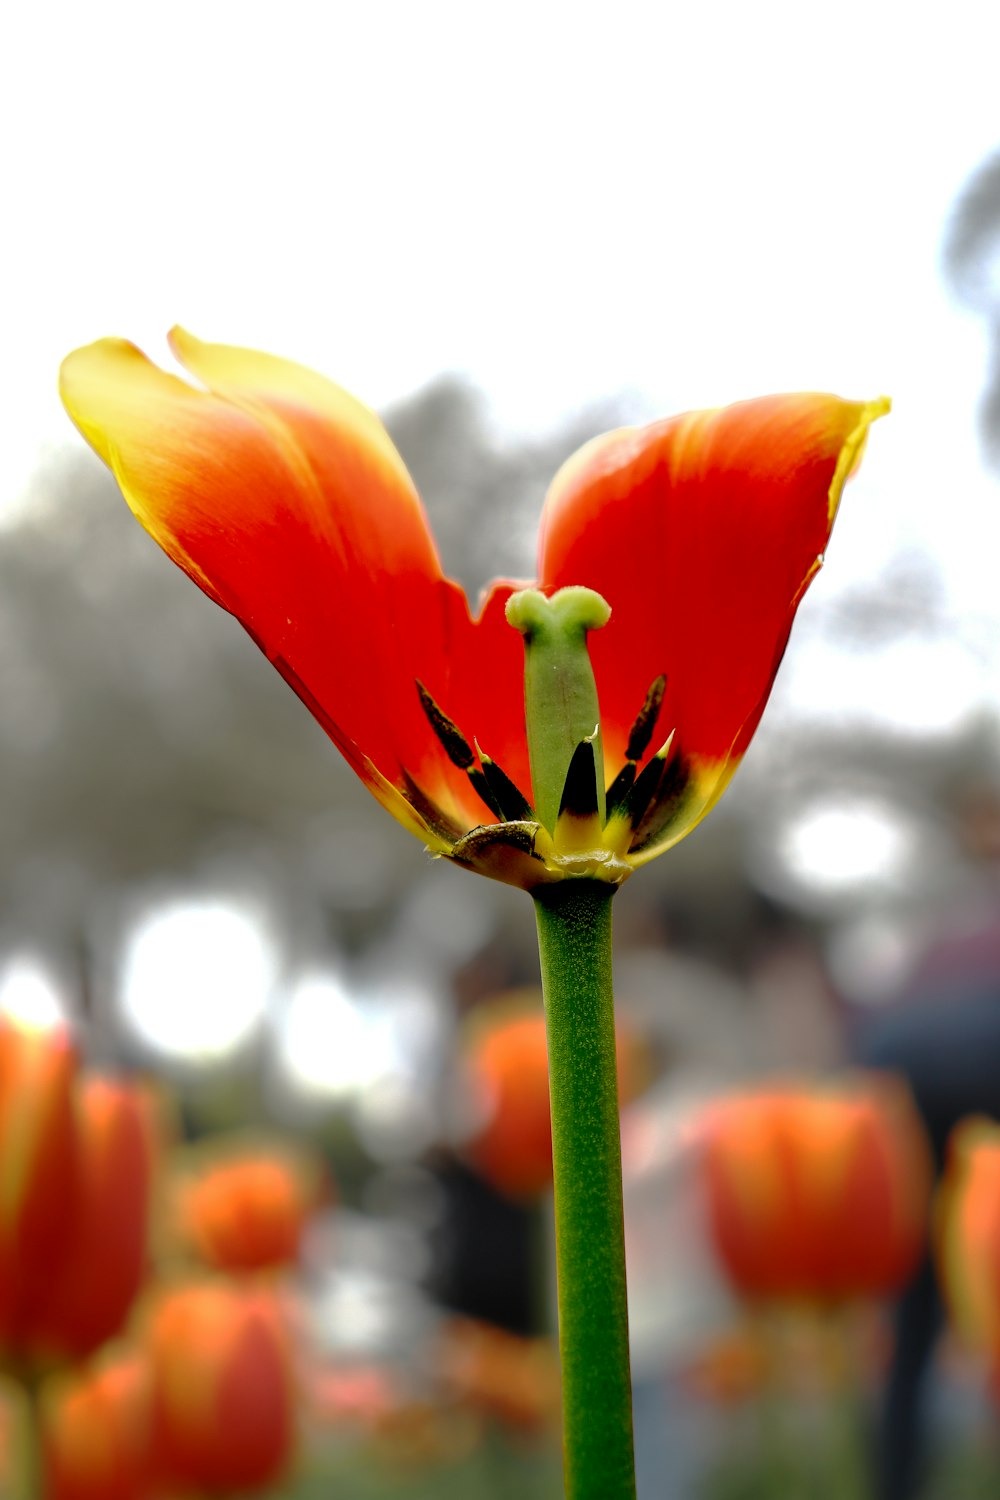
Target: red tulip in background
223	1394
76	1163
818	1193
284	499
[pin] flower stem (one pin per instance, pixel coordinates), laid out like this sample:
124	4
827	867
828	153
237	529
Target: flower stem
574	941
28	1470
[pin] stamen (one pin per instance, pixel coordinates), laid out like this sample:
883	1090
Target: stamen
512	804
456	746
620	787
579	798
481	783
665	804
642	730
495	789
646	786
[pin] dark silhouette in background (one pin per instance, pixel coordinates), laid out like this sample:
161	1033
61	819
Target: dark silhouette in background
942	1034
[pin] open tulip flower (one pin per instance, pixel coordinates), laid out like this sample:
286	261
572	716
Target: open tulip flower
284	499
558	737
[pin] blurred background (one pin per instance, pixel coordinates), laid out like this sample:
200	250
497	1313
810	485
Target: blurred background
510	233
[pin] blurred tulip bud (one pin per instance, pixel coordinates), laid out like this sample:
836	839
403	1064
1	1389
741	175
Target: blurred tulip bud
967	1225
506	1078
246	1212
818	1193
96	1431
223	1393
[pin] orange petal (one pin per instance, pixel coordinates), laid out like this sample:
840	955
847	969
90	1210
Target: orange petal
284	499
90	1298
39	1171
702	532
222	1388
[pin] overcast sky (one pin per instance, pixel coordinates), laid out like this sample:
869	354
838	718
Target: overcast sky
688	203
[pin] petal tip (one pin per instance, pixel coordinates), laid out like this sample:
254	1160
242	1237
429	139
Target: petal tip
853	448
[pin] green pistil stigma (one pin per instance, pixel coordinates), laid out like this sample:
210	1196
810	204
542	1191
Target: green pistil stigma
560	695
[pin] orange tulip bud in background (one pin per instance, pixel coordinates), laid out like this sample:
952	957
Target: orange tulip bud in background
223	1393
246	1212
505	1065
96	1433
818	1193
507	1070
967	1222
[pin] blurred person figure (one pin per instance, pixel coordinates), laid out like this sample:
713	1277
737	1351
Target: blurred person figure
96	1431
223	1390
244	1208
941	1032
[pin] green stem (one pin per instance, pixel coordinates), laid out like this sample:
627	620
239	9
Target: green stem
27	1455
574	941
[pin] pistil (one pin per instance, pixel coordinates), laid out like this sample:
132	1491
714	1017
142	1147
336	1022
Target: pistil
560	694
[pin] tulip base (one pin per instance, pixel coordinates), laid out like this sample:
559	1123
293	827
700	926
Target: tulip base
574	940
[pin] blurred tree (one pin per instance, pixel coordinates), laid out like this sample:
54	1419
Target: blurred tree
972	265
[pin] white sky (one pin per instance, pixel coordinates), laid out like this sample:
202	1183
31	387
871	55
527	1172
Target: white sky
690	202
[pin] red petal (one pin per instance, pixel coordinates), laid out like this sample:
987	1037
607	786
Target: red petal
702	532
284	499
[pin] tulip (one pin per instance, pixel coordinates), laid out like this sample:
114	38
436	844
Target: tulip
247	1213
75	1168
506	1069
967	1223
90	1299
223	1398
671	561
818	1194
96	1434
284	499
39	1173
